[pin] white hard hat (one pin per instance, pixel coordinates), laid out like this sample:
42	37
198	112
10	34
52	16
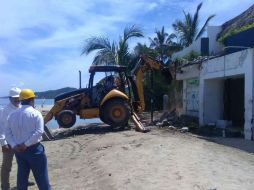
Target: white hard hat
14	92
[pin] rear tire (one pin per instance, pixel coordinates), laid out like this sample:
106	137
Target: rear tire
115	112
66	118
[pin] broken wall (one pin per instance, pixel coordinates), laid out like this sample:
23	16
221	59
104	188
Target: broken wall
229	66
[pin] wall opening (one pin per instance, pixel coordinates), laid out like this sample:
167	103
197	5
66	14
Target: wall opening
224	100
234	101
213	100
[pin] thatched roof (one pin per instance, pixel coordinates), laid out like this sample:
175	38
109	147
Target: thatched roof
247	17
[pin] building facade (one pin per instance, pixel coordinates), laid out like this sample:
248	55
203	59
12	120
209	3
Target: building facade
218	88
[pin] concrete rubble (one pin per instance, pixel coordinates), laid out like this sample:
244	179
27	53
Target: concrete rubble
172	121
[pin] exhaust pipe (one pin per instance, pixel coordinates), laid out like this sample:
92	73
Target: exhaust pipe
79	79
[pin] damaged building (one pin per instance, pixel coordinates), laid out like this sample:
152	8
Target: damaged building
218	85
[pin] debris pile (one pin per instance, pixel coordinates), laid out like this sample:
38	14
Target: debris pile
185	123
172	121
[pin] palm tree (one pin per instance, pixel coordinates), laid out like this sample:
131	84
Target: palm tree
188	28
163	44
111	52
106	51
141	49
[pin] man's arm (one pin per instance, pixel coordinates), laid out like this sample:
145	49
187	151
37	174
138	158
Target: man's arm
9	134
39	129
2	136
3	142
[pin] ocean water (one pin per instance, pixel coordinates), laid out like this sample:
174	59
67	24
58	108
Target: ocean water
38	102
53	123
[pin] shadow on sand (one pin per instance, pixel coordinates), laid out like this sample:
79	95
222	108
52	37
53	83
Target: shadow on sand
238	143
93	128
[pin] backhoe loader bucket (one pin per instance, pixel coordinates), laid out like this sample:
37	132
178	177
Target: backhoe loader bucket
139	126
47	135
55	109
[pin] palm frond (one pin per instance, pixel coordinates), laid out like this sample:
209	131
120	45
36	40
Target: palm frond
170	38
153	42
104	57
204	26
122	52
195	18
96	43
132	31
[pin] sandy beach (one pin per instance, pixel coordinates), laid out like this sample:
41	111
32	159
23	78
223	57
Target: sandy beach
102	159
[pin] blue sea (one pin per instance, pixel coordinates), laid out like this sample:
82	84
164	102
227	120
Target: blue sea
52	124
38	102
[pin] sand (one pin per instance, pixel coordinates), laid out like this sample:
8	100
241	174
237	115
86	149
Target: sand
161	159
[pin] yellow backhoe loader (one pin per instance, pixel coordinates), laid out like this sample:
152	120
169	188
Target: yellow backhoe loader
115	98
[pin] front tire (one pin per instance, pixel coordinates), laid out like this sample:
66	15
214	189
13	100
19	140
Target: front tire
66	118
115	112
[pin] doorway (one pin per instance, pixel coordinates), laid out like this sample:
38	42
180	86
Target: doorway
234	101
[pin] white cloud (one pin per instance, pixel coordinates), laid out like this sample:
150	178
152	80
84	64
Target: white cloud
152	6
16	15
3	58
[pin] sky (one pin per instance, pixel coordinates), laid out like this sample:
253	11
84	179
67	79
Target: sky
41	40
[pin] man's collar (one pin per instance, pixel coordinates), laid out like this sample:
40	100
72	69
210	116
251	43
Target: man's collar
26	106
14	107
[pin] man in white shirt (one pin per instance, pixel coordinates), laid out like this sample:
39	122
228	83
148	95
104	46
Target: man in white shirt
24	130
6	149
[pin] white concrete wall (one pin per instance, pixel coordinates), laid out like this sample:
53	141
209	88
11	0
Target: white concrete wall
225	66
252	94
214	47
195	46
184	97
213	100
190	92
248	93
188	72
192	97
232	65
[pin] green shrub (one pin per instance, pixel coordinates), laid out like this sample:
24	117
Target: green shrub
191	55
